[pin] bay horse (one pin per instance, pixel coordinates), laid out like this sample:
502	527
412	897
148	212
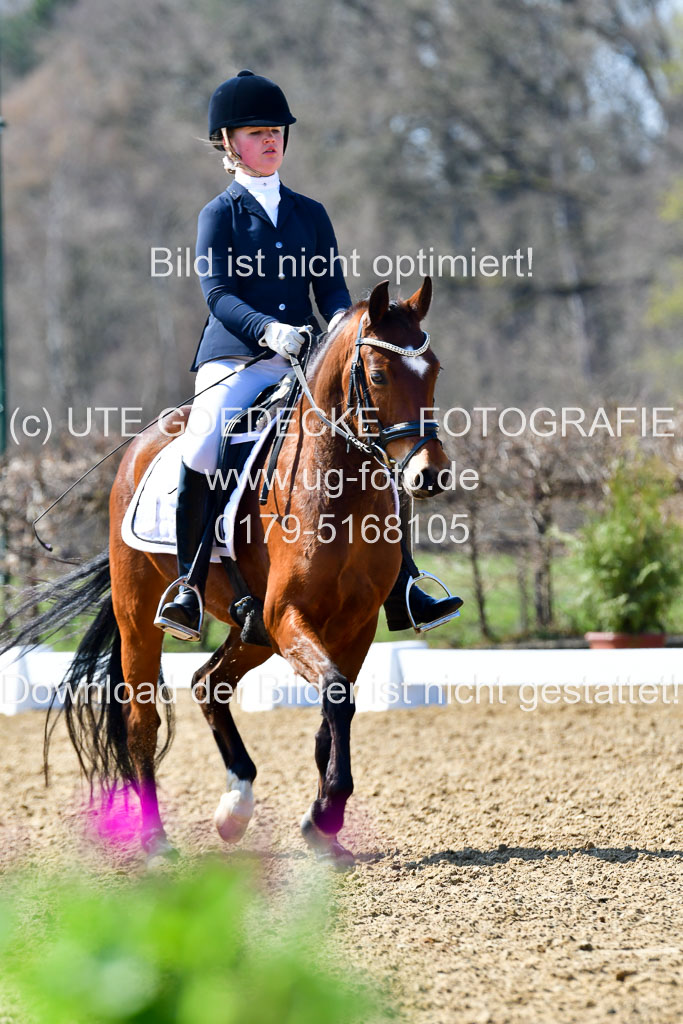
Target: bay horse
321	596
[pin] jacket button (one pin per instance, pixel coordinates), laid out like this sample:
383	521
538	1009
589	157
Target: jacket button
282	306
278	245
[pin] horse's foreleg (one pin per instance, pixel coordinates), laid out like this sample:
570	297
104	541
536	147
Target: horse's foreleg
302	647
213	686
323	749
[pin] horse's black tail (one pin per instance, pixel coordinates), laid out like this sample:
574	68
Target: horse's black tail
71	595
91	694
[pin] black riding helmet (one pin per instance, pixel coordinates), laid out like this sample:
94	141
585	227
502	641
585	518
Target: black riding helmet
248	99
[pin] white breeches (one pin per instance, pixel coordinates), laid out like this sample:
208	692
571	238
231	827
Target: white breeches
210	411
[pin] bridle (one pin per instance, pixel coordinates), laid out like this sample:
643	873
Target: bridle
425	430
359	395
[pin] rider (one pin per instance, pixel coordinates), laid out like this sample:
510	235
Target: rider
253	303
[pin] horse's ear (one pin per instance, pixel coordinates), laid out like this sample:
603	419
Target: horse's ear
422	298
379	303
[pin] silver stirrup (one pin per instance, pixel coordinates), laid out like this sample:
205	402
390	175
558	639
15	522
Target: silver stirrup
444	618
174	628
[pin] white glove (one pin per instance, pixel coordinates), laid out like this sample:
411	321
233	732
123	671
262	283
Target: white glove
283	339
335	320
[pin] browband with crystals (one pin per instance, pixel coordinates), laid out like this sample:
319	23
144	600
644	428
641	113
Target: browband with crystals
361	340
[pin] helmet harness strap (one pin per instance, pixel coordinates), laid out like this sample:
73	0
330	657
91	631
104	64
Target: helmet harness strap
233	157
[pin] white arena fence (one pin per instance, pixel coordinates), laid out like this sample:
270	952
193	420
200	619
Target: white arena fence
403	675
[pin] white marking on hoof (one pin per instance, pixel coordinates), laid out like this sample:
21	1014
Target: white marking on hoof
235	809
314	836
161	855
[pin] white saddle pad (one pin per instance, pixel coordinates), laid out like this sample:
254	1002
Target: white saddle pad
149	522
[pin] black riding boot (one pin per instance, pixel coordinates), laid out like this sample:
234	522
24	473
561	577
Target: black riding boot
425	609
180	617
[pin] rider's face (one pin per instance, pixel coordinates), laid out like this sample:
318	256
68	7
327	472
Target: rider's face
259	148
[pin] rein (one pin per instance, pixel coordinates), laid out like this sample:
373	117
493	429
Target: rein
426	430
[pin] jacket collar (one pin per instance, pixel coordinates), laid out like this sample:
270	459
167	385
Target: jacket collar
244	196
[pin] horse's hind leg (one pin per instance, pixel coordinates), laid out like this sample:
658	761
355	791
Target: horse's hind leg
213	686
141	644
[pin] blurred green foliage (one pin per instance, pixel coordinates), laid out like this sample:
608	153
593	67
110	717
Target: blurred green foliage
630	557
173	949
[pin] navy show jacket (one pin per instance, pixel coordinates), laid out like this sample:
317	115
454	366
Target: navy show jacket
233	225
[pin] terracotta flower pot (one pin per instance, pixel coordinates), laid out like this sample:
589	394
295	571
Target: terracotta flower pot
612	641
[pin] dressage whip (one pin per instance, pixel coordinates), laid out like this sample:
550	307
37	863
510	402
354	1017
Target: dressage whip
187	401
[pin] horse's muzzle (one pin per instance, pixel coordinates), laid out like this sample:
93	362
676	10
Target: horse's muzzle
425	483
428	473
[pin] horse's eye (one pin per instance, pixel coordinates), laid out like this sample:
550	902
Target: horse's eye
377	377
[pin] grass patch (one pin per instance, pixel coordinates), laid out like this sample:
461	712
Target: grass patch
503	607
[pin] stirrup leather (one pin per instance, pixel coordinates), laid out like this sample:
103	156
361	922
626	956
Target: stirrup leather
413	581
176	629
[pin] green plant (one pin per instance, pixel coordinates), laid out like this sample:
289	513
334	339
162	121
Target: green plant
177	949
630	557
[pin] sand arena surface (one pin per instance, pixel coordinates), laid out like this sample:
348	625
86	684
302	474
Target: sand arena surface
513	866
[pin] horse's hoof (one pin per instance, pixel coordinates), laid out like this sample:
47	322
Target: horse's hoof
160	853
235	809
337	856
327	849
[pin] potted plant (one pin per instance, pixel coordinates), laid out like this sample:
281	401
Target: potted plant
630	559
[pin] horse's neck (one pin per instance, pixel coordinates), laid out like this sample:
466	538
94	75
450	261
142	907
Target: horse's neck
326	448
326	386
319	454
327	390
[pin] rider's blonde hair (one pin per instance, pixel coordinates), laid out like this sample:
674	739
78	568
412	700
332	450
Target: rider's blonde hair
231	161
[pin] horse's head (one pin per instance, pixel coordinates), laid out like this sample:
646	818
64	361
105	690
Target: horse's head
390	382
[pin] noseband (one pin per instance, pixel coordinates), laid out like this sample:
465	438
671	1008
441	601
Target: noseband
359	393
